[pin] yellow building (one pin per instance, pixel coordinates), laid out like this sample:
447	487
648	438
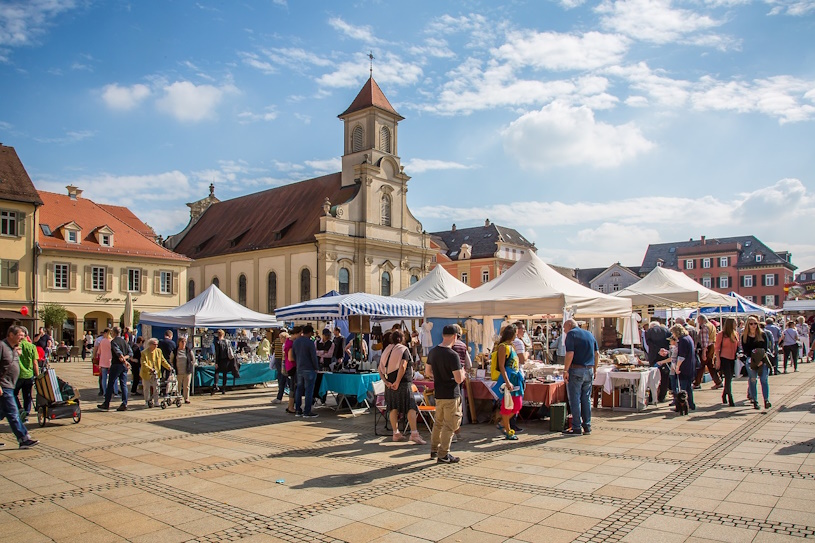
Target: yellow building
93	255
19	202
350	231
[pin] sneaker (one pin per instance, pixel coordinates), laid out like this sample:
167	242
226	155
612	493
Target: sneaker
28	443
416	438
697	387
276	401
103	406
310	415
298	414
449	459
122	407
767	405
433	455
398	436
518	430
586	431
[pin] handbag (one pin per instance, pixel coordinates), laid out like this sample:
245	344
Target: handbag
757	358
97	371
508	403
230	352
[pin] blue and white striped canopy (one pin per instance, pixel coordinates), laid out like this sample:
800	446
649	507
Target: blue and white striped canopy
345	305
740	306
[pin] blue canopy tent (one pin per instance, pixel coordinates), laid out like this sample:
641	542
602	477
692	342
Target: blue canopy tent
740	306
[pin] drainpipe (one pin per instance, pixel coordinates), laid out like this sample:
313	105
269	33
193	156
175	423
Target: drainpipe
34	258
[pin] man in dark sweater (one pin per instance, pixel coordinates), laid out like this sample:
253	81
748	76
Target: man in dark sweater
305	356
9	372
659	337
119	364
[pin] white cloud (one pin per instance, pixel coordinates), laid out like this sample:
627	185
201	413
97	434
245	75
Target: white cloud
656	21
253	60
795	8
295	57
391	70
662	89
560	135
326	166
433	47
571	4
363	33
778	96
124	98
269	114
558	51
421	165
71	136
23	21
189	102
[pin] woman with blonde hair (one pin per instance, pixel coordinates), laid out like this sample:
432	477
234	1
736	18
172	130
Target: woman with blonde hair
755	345
727	344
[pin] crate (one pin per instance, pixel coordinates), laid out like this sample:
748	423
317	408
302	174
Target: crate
48	386
557	417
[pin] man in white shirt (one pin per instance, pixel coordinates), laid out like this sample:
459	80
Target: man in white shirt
520	343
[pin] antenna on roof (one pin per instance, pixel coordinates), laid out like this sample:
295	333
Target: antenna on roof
371	58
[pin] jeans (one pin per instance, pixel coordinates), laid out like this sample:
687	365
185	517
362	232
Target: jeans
448	420
8	409
727	367
104	378
25	386
760	375
791	351
117	374
686	384
664	382
579	390
305	386
282	380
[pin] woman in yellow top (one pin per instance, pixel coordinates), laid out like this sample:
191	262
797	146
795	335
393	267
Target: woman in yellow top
152	360
506	365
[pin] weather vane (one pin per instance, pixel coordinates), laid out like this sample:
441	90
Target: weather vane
371	58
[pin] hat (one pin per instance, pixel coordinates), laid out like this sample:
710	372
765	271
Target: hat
449	330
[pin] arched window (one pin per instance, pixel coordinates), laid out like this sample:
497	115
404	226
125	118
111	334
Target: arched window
385	139
216	282
357	139
271	293
414	279
385	290
345	281
242	289
385	209
190	290
305	285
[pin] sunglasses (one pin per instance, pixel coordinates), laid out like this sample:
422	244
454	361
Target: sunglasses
753	324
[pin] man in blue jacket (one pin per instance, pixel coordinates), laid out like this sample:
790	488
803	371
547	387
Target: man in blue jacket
305	356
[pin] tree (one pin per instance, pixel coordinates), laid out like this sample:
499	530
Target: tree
53	315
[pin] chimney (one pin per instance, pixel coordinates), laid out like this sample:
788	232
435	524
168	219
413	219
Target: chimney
487	222
74	192
454	227
703	240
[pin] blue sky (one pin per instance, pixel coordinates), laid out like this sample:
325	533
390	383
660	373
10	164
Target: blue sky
593	127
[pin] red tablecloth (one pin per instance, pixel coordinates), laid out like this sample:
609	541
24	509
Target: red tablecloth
542	393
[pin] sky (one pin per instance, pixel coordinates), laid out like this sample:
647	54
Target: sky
594	127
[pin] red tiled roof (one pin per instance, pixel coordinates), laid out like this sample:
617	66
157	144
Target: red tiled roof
15	185
127	216
370	96
128	239
279	217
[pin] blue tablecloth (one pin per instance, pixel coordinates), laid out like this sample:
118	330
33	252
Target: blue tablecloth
251	374
350	384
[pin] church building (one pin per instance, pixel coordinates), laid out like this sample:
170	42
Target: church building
349	231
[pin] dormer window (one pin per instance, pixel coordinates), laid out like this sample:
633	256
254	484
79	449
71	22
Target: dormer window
72	236
104	236
106	240
759	258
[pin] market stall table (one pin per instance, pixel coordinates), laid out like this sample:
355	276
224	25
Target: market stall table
252	373
342	385
640	381
535	392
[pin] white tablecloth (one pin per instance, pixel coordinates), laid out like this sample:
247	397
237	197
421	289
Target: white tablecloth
645	380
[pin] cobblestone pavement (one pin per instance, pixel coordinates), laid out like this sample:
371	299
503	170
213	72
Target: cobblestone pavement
236	468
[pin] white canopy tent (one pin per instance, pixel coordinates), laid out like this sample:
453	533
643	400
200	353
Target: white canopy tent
530	288
210	309
436	285
668	288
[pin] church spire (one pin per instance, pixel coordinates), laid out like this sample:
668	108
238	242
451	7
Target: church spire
370	96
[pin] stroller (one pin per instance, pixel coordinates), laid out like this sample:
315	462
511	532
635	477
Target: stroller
168	392
56	399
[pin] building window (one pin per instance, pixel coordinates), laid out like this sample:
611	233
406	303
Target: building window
385	206
385	139
724	282
748	281
242	289
485	276
769	299
769	280
601	288
8	273
305	285
759	258
615	287
707	282
271	292
133	280
705	262
689	264
414	279
357	139
61	276
216	282
724	262
190	290
8	223
73	236
385	289
97	278
748	298
105	240
345	281
166	283
465	278
659	263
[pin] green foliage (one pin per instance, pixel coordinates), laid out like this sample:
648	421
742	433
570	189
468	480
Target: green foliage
53	315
